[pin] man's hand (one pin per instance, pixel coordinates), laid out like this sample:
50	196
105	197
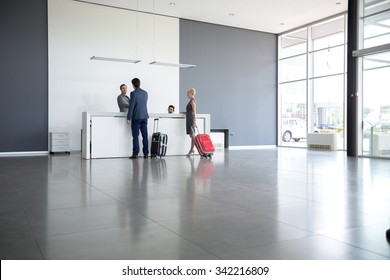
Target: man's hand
129	122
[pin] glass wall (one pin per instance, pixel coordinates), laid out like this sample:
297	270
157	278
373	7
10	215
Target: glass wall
293	86
376	22
312	68
375	73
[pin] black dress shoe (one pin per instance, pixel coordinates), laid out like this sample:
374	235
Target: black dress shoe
133	157
145	156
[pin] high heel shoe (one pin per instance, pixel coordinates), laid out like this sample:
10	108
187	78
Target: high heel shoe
190	153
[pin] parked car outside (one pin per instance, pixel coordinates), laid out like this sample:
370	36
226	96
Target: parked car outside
326	126
293	129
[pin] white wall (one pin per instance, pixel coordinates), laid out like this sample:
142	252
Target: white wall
78	31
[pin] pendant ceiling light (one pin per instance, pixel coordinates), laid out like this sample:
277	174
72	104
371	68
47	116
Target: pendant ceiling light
163	63
115	59
172	64
125	60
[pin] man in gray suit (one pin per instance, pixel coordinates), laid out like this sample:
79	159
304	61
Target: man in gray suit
123	99
137	117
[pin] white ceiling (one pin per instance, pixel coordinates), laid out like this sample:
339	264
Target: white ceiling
273	16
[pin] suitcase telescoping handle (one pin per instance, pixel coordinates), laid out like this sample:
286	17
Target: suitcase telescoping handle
195	131
154	125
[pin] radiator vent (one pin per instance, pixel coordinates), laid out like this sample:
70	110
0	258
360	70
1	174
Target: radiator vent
381	145
322	141
384	152
320	147
218	146
218	139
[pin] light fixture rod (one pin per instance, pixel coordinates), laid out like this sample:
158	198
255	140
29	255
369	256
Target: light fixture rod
115	59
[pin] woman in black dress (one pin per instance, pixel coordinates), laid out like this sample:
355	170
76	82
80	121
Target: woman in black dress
191	118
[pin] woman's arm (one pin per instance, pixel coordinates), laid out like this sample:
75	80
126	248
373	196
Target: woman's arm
193	104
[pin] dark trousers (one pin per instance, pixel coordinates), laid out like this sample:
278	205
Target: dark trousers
136	127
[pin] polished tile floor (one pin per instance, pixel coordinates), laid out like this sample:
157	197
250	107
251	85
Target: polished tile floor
274	203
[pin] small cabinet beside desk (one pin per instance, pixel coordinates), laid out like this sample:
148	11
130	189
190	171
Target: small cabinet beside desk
59	142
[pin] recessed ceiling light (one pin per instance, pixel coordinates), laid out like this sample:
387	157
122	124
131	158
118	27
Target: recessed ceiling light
232	14
338	3
172	4
282	23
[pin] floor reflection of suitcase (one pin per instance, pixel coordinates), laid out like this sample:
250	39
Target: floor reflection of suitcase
159	142
204	144
158	170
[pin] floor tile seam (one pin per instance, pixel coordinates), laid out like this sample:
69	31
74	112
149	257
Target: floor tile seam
105	188
280	222
96	187
247	210
165	227
310	232
89	184
135	209
347	209
354	246
123	203
319	202
127	227
170	230
263	244
18	199
34	234
77	206
43	237
13	192
74	207
291	196
97	205
38	195
188	240
103	191
251	211
222	202
105	164
271	219
81	179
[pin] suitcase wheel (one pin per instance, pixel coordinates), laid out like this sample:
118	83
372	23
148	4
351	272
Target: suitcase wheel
210	156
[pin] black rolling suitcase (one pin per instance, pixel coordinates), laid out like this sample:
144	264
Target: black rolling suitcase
159	142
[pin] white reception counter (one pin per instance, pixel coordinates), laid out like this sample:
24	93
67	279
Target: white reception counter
107	135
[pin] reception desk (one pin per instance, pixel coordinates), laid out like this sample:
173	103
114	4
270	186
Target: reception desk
107	135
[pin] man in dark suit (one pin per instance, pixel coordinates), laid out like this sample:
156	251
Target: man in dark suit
137	116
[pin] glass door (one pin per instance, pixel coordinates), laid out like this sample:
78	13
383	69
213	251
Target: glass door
374	75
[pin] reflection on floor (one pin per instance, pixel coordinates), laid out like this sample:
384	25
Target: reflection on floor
275	203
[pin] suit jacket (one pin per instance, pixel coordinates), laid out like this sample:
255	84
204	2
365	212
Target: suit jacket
123	102
138	109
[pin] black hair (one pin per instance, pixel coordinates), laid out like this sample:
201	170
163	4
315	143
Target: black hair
136	82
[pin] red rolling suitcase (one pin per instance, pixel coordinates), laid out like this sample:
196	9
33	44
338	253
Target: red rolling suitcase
203	144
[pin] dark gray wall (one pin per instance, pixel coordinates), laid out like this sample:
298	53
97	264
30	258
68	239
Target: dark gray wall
23	76
235	77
